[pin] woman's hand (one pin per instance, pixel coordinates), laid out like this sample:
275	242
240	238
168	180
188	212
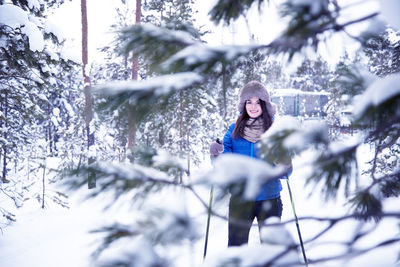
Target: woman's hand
216	148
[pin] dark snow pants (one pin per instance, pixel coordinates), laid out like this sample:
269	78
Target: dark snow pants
242	214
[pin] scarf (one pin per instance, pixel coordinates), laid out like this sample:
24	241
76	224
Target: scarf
253	130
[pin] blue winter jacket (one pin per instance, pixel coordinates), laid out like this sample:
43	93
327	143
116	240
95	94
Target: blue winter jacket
271	189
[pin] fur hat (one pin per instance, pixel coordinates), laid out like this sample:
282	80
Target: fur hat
256	89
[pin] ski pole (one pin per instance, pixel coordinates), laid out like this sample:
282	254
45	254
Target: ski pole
208	222
297	222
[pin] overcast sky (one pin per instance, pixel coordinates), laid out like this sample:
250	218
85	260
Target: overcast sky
101	14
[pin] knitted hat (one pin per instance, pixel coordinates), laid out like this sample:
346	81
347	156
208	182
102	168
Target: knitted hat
256	89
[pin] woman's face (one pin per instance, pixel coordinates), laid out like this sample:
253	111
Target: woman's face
253	107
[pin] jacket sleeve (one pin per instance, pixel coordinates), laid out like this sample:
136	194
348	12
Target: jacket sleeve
227	142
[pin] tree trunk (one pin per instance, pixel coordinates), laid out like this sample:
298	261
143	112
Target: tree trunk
135	69
131	129
44	184
180	122
181	130
224	89
188	151
5	126
1	129
49	133
135	60
88	95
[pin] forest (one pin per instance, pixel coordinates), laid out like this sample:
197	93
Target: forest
117	150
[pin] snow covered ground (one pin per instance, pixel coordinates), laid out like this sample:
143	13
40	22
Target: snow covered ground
61	237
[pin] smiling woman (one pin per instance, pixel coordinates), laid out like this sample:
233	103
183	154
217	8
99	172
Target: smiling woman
253	107
257	112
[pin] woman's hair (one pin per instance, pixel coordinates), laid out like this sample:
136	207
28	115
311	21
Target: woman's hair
244	117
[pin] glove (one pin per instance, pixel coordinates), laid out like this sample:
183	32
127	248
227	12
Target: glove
216	148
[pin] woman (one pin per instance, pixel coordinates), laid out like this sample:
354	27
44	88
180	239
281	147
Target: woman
256	116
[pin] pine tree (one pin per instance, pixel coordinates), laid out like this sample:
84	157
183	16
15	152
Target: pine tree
383	53
312	75
33	94
345	83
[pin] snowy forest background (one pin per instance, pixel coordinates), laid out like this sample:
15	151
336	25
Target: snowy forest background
121	144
